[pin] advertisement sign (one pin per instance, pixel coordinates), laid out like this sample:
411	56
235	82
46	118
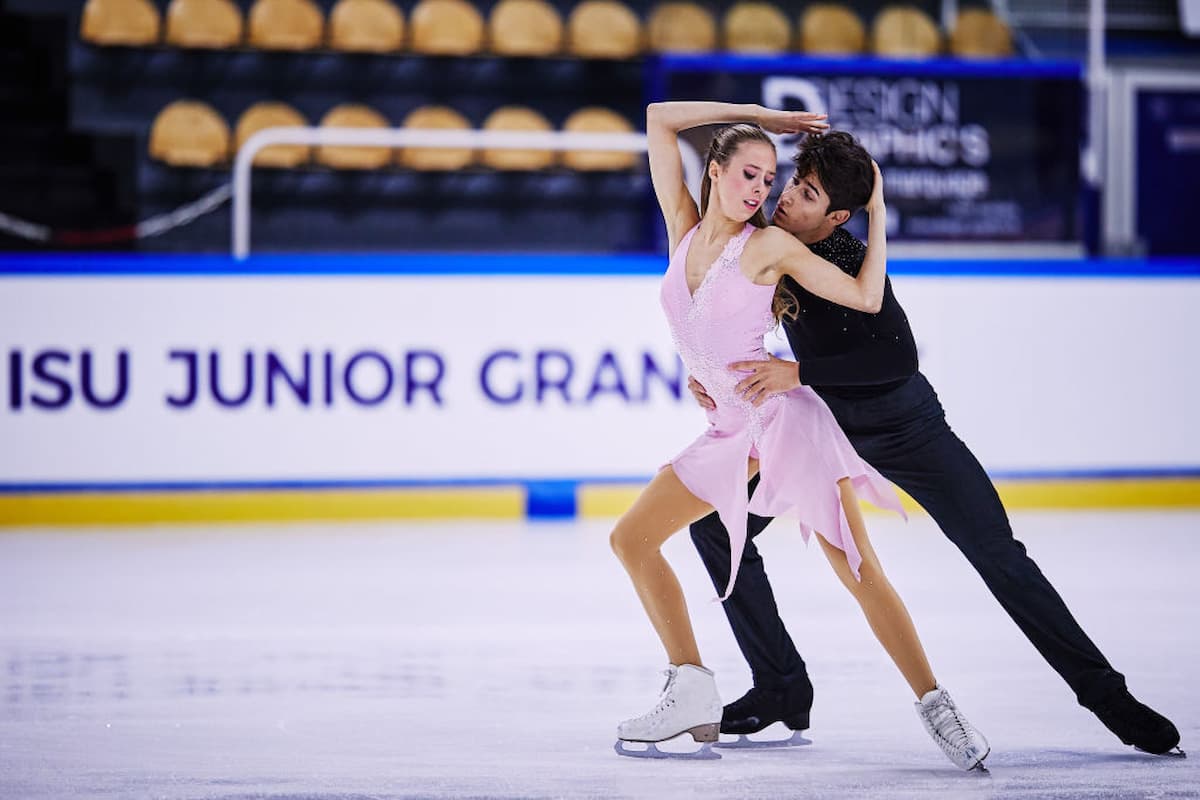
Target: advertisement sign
969	152
360	378
1168	166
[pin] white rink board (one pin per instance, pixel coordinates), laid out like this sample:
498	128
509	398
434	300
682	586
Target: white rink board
1037	375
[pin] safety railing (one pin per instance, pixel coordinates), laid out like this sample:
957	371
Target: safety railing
410	137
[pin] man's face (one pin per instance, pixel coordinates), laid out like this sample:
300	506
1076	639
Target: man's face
803	209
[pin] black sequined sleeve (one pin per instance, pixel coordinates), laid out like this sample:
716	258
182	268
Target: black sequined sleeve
836	346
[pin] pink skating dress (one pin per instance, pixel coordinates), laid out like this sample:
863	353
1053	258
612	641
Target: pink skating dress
801	450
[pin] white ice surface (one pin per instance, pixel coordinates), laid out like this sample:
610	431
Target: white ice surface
494	660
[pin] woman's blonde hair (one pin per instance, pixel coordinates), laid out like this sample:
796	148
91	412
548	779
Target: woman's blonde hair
725	142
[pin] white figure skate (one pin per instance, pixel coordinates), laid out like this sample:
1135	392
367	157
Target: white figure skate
689	703
958	738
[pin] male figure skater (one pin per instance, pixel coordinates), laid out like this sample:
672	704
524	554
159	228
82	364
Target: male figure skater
865	368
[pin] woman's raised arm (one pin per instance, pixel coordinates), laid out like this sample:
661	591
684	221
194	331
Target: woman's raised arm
864	293
665	120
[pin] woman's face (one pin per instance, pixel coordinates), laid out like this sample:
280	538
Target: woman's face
742	185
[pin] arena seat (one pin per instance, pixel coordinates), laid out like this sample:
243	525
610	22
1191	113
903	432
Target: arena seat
756	27
978	33
286	25
269	114
905	32
366	26
594	119
446	28
681	27
831	29
132	23
350	115
435	159
603	29
189	133
525	28
517	118
208	24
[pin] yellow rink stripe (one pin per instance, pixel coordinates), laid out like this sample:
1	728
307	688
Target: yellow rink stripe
491	502
260	505
611	500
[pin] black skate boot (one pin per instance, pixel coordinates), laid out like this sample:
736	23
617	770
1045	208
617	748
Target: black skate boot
1136	723
759	708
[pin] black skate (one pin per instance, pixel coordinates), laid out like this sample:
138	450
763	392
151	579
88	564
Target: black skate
760	708
1137	724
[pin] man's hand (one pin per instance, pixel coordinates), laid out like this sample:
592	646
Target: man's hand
876	201
701	396
766	378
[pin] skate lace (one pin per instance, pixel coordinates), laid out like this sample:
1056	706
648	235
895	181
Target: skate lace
949	724
665	700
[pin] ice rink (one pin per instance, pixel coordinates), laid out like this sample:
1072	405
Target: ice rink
433	660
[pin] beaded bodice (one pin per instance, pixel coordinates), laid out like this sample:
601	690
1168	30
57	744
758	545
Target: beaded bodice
723	322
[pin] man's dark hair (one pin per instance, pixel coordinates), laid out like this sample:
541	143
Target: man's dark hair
842	165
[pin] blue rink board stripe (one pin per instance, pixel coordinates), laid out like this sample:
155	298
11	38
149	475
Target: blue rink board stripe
540	484
525	264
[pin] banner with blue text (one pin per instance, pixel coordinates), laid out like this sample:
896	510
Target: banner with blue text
136	379
969	153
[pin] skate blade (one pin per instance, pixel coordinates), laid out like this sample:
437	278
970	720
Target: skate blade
705	753
1176	752
980	768
744	742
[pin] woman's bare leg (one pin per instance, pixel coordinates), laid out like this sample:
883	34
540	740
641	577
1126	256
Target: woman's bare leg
883	608
664	507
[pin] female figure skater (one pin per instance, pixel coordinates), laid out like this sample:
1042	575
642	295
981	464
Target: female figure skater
720	296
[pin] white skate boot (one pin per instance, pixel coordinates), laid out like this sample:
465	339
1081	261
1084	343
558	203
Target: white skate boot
958	739
689	703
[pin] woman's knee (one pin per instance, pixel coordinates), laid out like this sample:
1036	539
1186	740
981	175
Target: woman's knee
871	579
625	543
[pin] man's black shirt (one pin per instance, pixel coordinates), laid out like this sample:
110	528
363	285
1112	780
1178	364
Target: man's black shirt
847	353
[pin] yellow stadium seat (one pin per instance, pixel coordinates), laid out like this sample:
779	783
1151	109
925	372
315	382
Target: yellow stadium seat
286	25
603	29
829	29
756	27
525	28
593	119
978	33
366	26
272	115
132	23
210	24
680	27
435	159
189	133
905	32
517	118
446	28
350	115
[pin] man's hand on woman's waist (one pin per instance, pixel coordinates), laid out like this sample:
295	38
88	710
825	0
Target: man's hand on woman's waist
766	378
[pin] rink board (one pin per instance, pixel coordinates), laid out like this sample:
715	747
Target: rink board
377	388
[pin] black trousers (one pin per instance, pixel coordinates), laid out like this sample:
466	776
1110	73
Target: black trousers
904	435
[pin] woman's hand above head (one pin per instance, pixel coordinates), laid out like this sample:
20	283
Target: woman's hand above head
776	121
